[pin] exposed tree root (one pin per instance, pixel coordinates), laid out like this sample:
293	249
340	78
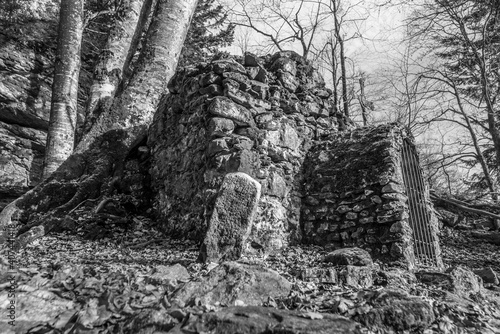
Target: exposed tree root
80	179
82	203
102	204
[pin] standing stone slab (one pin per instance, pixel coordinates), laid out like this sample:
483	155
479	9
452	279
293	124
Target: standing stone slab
232	218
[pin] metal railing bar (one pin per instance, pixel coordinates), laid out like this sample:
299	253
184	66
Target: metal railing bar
419	215
412	198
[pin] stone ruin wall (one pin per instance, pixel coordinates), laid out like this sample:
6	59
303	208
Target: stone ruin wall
355	194
272	118
259	116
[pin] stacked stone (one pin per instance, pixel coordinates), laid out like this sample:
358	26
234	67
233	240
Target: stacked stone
354	193
259	116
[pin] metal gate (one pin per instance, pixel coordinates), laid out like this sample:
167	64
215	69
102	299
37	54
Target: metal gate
424	240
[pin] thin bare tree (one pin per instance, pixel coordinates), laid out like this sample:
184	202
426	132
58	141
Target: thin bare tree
282	23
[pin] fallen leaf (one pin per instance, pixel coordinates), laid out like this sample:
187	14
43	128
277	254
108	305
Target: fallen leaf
312	315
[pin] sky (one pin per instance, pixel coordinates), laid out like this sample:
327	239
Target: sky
375	44
373	33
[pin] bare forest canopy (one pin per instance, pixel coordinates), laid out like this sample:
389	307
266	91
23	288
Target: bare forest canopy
151	181
431	65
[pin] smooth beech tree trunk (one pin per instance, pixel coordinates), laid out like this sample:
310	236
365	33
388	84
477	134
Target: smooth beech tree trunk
62	124
97	161
112	63
134	108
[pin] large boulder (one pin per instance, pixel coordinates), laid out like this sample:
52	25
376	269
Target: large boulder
234	283
232	218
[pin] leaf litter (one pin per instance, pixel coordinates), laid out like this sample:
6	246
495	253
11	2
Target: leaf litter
101	283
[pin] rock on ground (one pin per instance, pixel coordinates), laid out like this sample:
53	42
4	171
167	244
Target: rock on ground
234	283
232	218
465	282
396	310
488	275
356	276
33	308
349	256
146	322
168	274
458	280
260	320
395	278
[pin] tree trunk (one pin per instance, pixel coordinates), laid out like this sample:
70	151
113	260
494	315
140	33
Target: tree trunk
492	116
477	148
101	153
343	70
144	20
334	76
111	63
132	111
62	124
344	79
362	100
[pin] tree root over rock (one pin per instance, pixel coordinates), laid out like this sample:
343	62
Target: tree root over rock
83	177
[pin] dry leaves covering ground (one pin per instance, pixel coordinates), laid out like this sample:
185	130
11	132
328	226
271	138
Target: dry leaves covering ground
102	282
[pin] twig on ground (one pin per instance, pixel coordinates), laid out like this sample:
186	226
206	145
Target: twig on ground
143	244
82	203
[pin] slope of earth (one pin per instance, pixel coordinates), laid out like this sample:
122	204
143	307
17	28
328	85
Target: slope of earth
122	279
461	247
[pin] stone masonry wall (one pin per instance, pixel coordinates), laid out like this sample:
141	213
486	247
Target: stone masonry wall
354	193
259	116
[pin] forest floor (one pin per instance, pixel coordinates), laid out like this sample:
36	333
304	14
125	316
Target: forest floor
72	268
